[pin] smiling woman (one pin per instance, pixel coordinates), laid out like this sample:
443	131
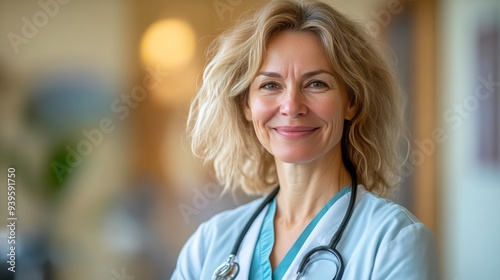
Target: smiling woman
297	102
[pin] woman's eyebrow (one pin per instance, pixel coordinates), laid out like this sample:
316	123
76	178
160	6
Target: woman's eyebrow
306	75
269	74
317	72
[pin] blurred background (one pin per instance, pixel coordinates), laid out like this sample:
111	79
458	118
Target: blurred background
93	103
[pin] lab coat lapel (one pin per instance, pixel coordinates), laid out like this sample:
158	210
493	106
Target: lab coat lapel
247	247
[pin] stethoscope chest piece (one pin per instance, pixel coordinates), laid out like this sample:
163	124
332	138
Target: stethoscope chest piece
227	270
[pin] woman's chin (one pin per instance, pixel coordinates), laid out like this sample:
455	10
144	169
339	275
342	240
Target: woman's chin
294	158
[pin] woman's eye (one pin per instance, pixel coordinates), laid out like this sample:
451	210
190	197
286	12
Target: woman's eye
317	84
269	86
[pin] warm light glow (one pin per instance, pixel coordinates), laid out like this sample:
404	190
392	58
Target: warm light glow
169	44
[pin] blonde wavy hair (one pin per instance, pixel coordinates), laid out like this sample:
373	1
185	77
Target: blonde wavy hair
226	141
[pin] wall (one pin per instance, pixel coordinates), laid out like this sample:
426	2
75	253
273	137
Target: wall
470	188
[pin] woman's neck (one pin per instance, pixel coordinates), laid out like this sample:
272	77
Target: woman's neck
306	188
304	191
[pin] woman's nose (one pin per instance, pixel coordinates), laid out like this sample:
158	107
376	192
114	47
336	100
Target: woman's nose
293	104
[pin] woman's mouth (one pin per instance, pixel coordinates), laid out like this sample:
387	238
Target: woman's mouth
295	132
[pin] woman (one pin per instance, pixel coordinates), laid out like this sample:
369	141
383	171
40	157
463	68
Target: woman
297	96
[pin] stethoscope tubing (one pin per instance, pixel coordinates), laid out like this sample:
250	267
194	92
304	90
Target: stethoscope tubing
266	201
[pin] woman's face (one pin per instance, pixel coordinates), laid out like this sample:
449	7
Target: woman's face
296	103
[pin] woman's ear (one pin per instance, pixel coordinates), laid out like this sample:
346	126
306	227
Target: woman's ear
351	106
351	110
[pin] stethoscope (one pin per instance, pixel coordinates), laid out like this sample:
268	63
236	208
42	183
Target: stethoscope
229	269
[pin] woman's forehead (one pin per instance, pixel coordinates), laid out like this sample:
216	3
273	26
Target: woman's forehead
302	49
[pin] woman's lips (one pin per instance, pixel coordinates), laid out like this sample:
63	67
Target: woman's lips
294	132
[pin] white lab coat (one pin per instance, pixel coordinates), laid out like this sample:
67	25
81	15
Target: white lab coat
382	241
